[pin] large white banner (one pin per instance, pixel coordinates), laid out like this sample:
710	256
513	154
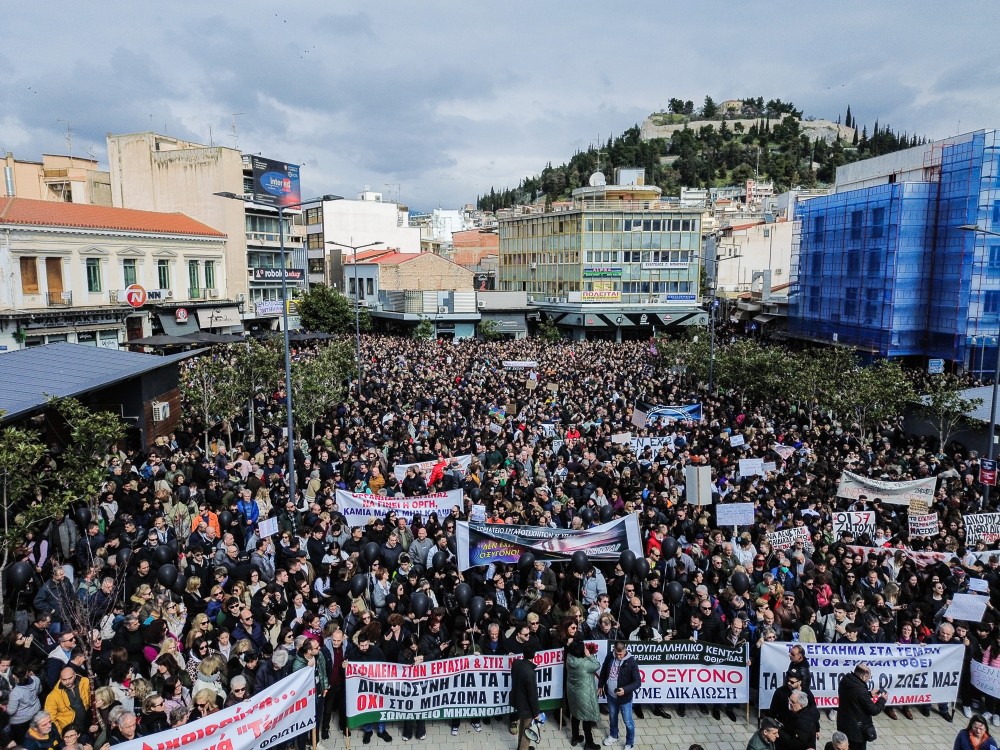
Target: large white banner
982	527
910	675
425	466
271	717
688	672
854	522
897	493
460	687
359	507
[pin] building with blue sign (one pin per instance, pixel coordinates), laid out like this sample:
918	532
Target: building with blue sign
884	266
616	261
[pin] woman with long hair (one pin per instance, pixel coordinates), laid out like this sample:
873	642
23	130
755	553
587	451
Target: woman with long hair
581	691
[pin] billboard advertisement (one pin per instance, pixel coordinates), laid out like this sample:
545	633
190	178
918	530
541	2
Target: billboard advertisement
275	183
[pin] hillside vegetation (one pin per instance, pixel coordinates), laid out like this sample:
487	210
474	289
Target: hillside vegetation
714	147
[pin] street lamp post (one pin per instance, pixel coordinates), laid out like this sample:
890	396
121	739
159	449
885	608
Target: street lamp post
714	259
990	448
292	487
357	308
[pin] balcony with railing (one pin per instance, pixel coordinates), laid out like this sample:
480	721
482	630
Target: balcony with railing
59	299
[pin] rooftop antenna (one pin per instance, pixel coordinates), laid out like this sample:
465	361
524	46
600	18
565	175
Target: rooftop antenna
68	136
236	137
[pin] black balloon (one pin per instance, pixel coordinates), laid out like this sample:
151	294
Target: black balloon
359	584
669	547
369	553
627	561
587	516
463	594
420	603
740	582
162	554
606	513
675	592
525	561
179	585
439	560
124	556
19	575
167	575
475	494
477	608
641	568
453	545
580	561
82	516
226	519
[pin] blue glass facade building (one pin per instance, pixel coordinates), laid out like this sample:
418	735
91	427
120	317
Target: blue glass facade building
885	268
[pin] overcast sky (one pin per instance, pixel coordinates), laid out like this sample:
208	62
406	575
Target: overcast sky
441	100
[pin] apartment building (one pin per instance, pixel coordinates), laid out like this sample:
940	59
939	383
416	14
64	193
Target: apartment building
66	268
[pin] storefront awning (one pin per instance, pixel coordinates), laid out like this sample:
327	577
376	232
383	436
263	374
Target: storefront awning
764	318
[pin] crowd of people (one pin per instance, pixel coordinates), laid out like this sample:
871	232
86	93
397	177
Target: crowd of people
105	648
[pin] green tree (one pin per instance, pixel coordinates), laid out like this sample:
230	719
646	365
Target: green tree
211	392
258	368
709	109
945	408
424	329
548	331
325	309
490	330
872	395
20	453
319	383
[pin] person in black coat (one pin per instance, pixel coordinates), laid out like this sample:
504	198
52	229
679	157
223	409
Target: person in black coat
619	679
800	730
857	706
524	694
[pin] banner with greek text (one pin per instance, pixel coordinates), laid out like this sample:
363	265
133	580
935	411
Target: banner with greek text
985	678
910	675
921	558
688	672
856	523
482	543
359	507
425	466
786	538
983	527
458	688
924	525
896	493
639	444
271	717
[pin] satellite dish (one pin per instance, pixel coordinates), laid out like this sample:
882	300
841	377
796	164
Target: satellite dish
598	179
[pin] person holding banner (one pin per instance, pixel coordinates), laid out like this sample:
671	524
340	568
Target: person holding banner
366	651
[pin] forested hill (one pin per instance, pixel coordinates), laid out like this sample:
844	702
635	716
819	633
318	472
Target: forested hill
712	146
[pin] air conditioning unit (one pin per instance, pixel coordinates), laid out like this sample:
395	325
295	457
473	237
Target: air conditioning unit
212	293
531	300
168	294
481	304
655	300
534	266
442	309
161	411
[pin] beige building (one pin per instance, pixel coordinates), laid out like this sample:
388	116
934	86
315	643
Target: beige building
66	266
68	179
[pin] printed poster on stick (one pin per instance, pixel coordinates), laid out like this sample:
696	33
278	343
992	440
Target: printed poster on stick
462	687
910	675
